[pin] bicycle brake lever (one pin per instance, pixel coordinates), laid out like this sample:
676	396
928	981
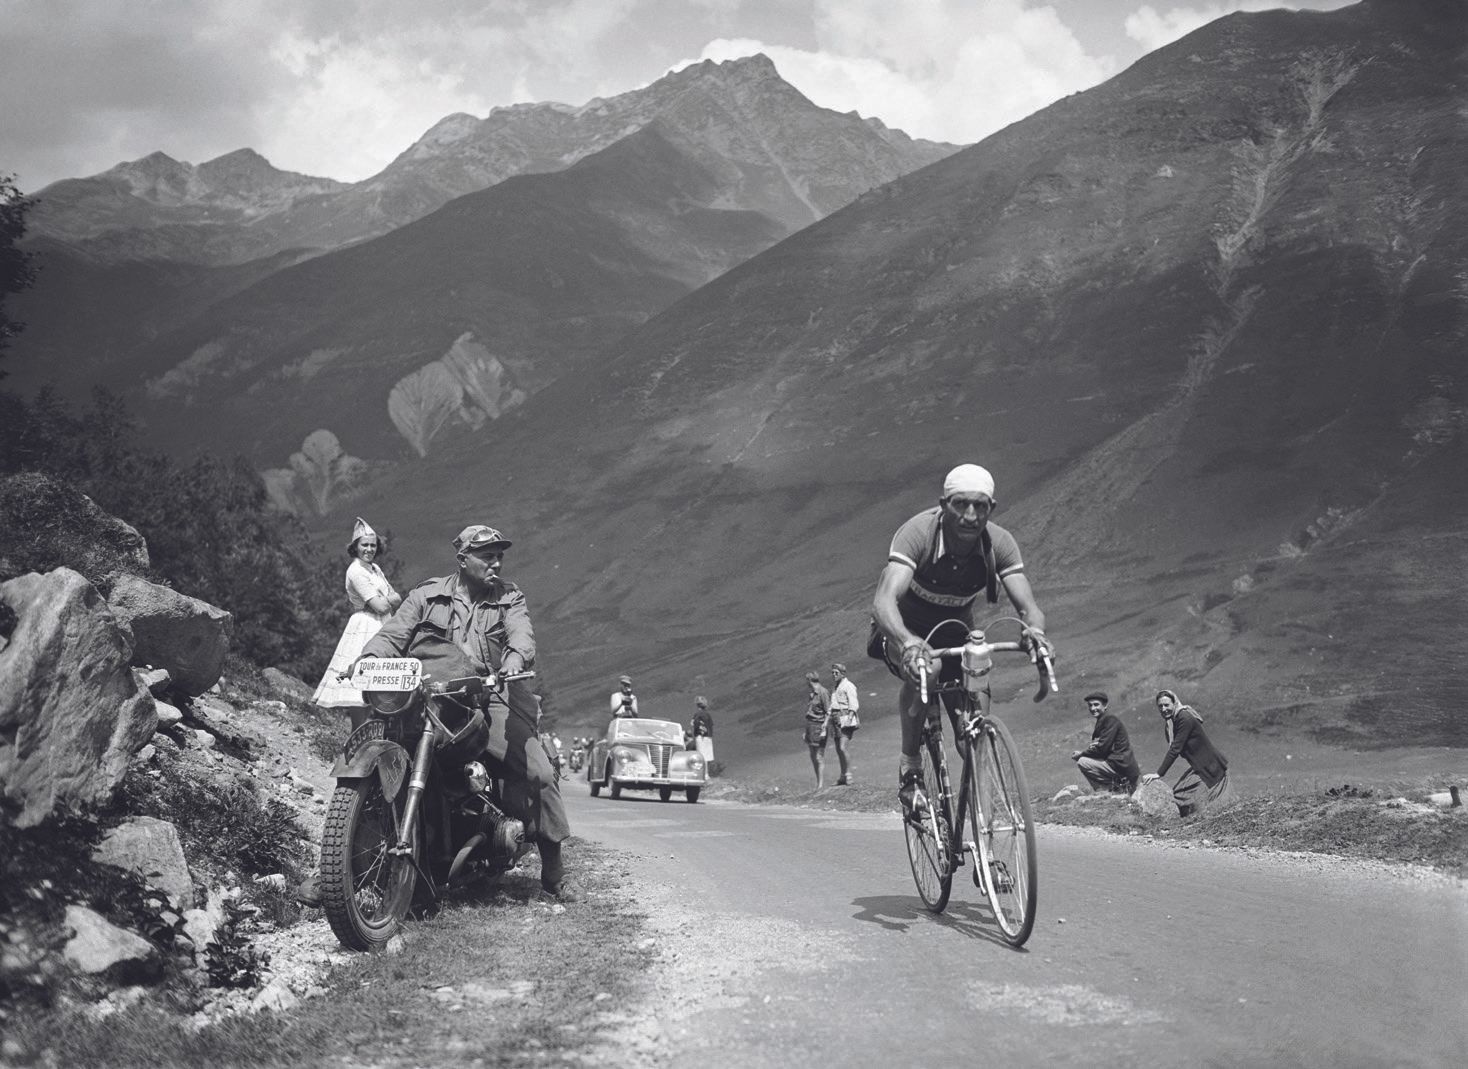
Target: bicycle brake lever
923	676
1048	685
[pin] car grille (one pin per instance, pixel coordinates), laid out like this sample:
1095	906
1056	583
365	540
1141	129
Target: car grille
660	752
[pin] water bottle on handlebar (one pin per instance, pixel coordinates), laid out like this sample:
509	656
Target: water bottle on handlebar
977	658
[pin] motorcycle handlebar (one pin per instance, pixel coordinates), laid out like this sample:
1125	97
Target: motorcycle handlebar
474	684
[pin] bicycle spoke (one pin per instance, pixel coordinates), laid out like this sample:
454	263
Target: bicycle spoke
928	834
1010	867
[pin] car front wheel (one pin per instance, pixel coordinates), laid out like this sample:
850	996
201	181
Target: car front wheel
692	793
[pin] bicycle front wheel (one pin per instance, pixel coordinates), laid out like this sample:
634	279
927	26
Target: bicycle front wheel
927	833
1004	832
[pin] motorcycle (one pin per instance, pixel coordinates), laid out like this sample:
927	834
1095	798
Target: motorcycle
415	808
578	758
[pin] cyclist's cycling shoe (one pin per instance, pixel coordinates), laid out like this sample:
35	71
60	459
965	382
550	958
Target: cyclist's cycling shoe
911	794
999	873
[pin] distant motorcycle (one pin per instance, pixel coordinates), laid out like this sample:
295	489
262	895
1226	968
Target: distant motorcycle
577	759
415	808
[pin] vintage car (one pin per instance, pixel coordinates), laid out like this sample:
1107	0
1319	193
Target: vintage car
645	754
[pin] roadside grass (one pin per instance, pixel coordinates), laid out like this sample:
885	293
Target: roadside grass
1394	822
498	977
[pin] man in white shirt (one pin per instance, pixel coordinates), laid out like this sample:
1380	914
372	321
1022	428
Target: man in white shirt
624	702
844	721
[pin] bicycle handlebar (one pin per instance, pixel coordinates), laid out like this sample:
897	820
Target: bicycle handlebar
1040	658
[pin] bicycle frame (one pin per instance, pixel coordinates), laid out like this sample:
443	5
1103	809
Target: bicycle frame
991	801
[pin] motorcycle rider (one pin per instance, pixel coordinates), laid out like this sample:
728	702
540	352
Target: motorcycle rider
486	617
939	562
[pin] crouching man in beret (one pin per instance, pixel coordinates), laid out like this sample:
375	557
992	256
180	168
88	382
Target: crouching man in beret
1108	763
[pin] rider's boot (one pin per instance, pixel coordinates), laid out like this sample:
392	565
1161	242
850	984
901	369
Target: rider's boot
553	872
911	794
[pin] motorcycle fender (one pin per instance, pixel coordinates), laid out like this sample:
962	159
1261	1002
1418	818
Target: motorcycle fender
386	758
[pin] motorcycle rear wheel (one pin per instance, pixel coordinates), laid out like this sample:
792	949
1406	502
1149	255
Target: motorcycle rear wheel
365	890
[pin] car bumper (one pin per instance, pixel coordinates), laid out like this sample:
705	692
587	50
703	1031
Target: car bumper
658	781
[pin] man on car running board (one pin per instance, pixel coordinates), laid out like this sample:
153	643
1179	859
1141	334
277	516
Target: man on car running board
939	562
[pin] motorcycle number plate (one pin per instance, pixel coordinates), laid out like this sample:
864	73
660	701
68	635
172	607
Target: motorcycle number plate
402	673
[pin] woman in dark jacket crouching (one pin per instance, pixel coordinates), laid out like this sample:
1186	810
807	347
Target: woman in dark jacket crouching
1206	780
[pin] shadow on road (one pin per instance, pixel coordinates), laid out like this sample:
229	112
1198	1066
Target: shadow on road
898	913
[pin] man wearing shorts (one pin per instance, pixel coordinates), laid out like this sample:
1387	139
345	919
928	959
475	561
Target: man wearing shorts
938	564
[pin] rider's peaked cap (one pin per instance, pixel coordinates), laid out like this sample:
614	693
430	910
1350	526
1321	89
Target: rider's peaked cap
625	679
478	536
1097	696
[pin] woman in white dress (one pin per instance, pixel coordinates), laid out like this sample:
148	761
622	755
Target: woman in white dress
373	600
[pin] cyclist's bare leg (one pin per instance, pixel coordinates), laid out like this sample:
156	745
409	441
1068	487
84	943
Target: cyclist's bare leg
910	710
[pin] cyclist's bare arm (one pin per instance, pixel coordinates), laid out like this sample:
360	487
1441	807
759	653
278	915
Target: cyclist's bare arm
1022	597
895	580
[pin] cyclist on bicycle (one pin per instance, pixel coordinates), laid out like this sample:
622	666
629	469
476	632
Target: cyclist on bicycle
939	563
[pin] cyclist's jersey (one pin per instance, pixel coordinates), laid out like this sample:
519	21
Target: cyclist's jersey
943	581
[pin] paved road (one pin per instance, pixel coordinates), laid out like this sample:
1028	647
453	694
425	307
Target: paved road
794	937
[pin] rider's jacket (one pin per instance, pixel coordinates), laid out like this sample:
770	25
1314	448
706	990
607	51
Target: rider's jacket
439	610
948	580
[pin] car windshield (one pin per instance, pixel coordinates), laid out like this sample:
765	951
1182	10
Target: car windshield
661	730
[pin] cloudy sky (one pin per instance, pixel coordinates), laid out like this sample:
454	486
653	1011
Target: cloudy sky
339	87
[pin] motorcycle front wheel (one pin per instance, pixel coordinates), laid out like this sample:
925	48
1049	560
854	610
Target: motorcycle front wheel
365	889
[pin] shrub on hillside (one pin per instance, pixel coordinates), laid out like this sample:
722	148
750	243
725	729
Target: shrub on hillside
49	524
225	826
210	530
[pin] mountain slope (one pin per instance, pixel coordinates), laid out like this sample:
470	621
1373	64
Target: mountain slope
1206	324
536	268
799	162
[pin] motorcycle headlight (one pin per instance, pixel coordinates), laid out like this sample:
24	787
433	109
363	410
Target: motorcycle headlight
389	702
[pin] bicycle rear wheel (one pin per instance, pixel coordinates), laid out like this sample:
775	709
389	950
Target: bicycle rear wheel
927	833
1004	832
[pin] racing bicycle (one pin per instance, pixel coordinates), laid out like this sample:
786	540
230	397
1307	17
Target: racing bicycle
988	822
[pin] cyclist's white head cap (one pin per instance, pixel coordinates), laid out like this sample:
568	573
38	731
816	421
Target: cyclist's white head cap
968	479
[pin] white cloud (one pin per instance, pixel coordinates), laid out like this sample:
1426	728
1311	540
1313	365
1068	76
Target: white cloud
1152	29
949	70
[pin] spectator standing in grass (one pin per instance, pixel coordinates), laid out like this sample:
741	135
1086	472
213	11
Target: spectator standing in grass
1206	780
1108	763
817	718
701	729
844	719
372	600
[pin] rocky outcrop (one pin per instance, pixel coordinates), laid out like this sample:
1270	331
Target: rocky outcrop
97	946
71	713
319	475
150	847
287	685
468	384
187	636
48	523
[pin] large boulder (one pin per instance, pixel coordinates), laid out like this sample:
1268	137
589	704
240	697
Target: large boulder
71	713
187	636
286	685
97	946
150	847
49	524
